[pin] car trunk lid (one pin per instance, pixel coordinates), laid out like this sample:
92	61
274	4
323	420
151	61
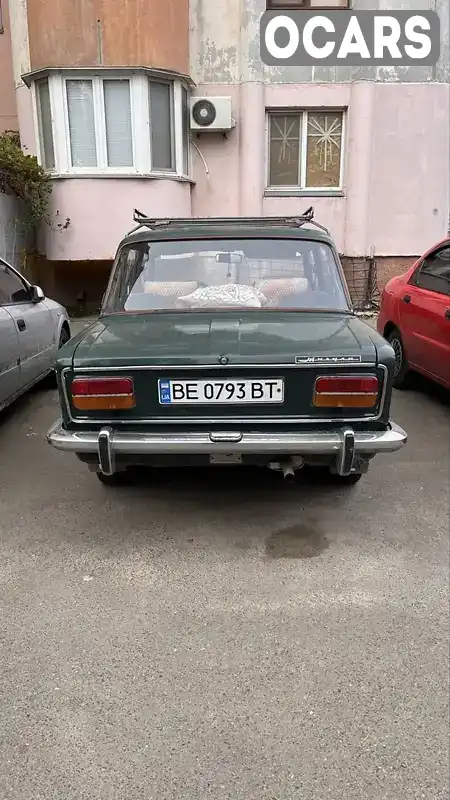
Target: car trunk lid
295	348
199	339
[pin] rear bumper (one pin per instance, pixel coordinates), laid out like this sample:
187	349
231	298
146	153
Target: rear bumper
344	444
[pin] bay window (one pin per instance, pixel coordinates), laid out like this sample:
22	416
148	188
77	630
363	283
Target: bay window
122	122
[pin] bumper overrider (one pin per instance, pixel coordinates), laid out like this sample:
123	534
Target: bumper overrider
345	445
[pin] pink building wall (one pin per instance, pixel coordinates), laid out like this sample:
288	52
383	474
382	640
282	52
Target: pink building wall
101	213
8	108
395	199
396	169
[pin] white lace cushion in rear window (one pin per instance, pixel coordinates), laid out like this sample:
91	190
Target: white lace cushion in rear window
282	286
170	288
219	296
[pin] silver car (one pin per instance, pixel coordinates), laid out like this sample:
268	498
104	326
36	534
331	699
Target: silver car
32	329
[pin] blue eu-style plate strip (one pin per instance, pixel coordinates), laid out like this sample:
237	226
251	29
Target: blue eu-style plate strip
165	392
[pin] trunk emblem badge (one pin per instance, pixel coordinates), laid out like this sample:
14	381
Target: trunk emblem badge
323	360
223	360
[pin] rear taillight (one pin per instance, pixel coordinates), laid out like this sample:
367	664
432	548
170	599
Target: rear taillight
102	394
346	392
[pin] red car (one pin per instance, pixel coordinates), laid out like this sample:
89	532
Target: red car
415	317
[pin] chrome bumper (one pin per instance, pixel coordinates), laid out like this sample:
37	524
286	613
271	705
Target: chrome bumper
345	443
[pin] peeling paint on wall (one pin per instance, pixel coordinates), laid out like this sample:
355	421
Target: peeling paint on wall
225	47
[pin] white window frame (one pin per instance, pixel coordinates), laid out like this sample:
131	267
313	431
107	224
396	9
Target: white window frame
140	124
303	115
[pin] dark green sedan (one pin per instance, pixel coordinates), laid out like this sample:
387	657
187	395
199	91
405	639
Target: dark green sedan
227	341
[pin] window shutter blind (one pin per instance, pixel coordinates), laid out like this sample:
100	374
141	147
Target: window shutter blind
161	126
119	141
80	105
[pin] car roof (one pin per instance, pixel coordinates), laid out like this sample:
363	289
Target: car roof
192	232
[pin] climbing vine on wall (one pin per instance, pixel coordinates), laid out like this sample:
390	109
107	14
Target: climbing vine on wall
21	175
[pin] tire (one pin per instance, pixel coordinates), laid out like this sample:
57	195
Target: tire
324	475
63	338
49	382
402	372
347	480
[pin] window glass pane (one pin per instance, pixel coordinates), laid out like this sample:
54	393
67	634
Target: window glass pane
12	290
329	3
435	272
161	126
280	4
221	274
284	150
80	105
438	263
185	130
45	124
324	147
286	3
119	140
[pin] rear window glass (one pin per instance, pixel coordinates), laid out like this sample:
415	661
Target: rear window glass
202	274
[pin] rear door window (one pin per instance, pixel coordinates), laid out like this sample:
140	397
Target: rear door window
434	272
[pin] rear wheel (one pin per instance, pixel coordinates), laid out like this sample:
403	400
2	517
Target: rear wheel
324	475
49	382
347	480
401	369
63	337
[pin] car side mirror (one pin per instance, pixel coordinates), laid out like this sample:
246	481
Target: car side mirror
37	295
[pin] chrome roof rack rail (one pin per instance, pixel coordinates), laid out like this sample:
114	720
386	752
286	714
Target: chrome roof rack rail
286	222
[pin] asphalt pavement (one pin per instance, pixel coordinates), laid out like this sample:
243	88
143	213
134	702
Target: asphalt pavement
224	635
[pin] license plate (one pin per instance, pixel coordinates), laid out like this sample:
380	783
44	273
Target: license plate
224	392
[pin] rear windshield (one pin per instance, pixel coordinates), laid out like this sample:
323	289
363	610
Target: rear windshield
193	275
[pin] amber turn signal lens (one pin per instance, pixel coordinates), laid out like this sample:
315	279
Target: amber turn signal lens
103	402
345	400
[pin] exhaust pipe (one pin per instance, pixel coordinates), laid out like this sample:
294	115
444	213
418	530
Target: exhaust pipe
288	473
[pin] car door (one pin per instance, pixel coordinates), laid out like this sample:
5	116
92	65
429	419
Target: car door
33	323
9	356
425	315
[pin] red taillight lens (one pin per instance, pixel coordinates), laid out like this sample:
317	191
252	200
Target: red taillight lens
92	386
342	391
102	394
341	385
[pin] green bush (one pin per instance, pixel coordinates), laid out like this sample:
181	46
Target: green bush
21	175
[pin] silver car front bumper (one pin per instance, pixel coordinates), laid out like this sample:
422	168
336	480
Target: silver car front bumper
345	444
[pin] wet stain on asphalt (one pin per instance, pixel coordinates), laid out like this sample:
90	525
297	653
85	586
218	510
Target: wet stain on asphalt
297	541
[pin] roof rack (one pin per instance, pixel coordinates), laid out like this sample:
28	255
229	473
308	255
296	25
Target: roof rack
291	222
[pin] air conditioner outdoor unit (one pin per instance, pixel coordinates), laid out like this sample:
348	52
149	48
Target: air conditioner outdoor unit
211	114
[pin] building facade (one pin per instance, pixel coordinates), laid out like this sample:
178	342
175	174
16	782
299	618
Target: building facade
103	90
